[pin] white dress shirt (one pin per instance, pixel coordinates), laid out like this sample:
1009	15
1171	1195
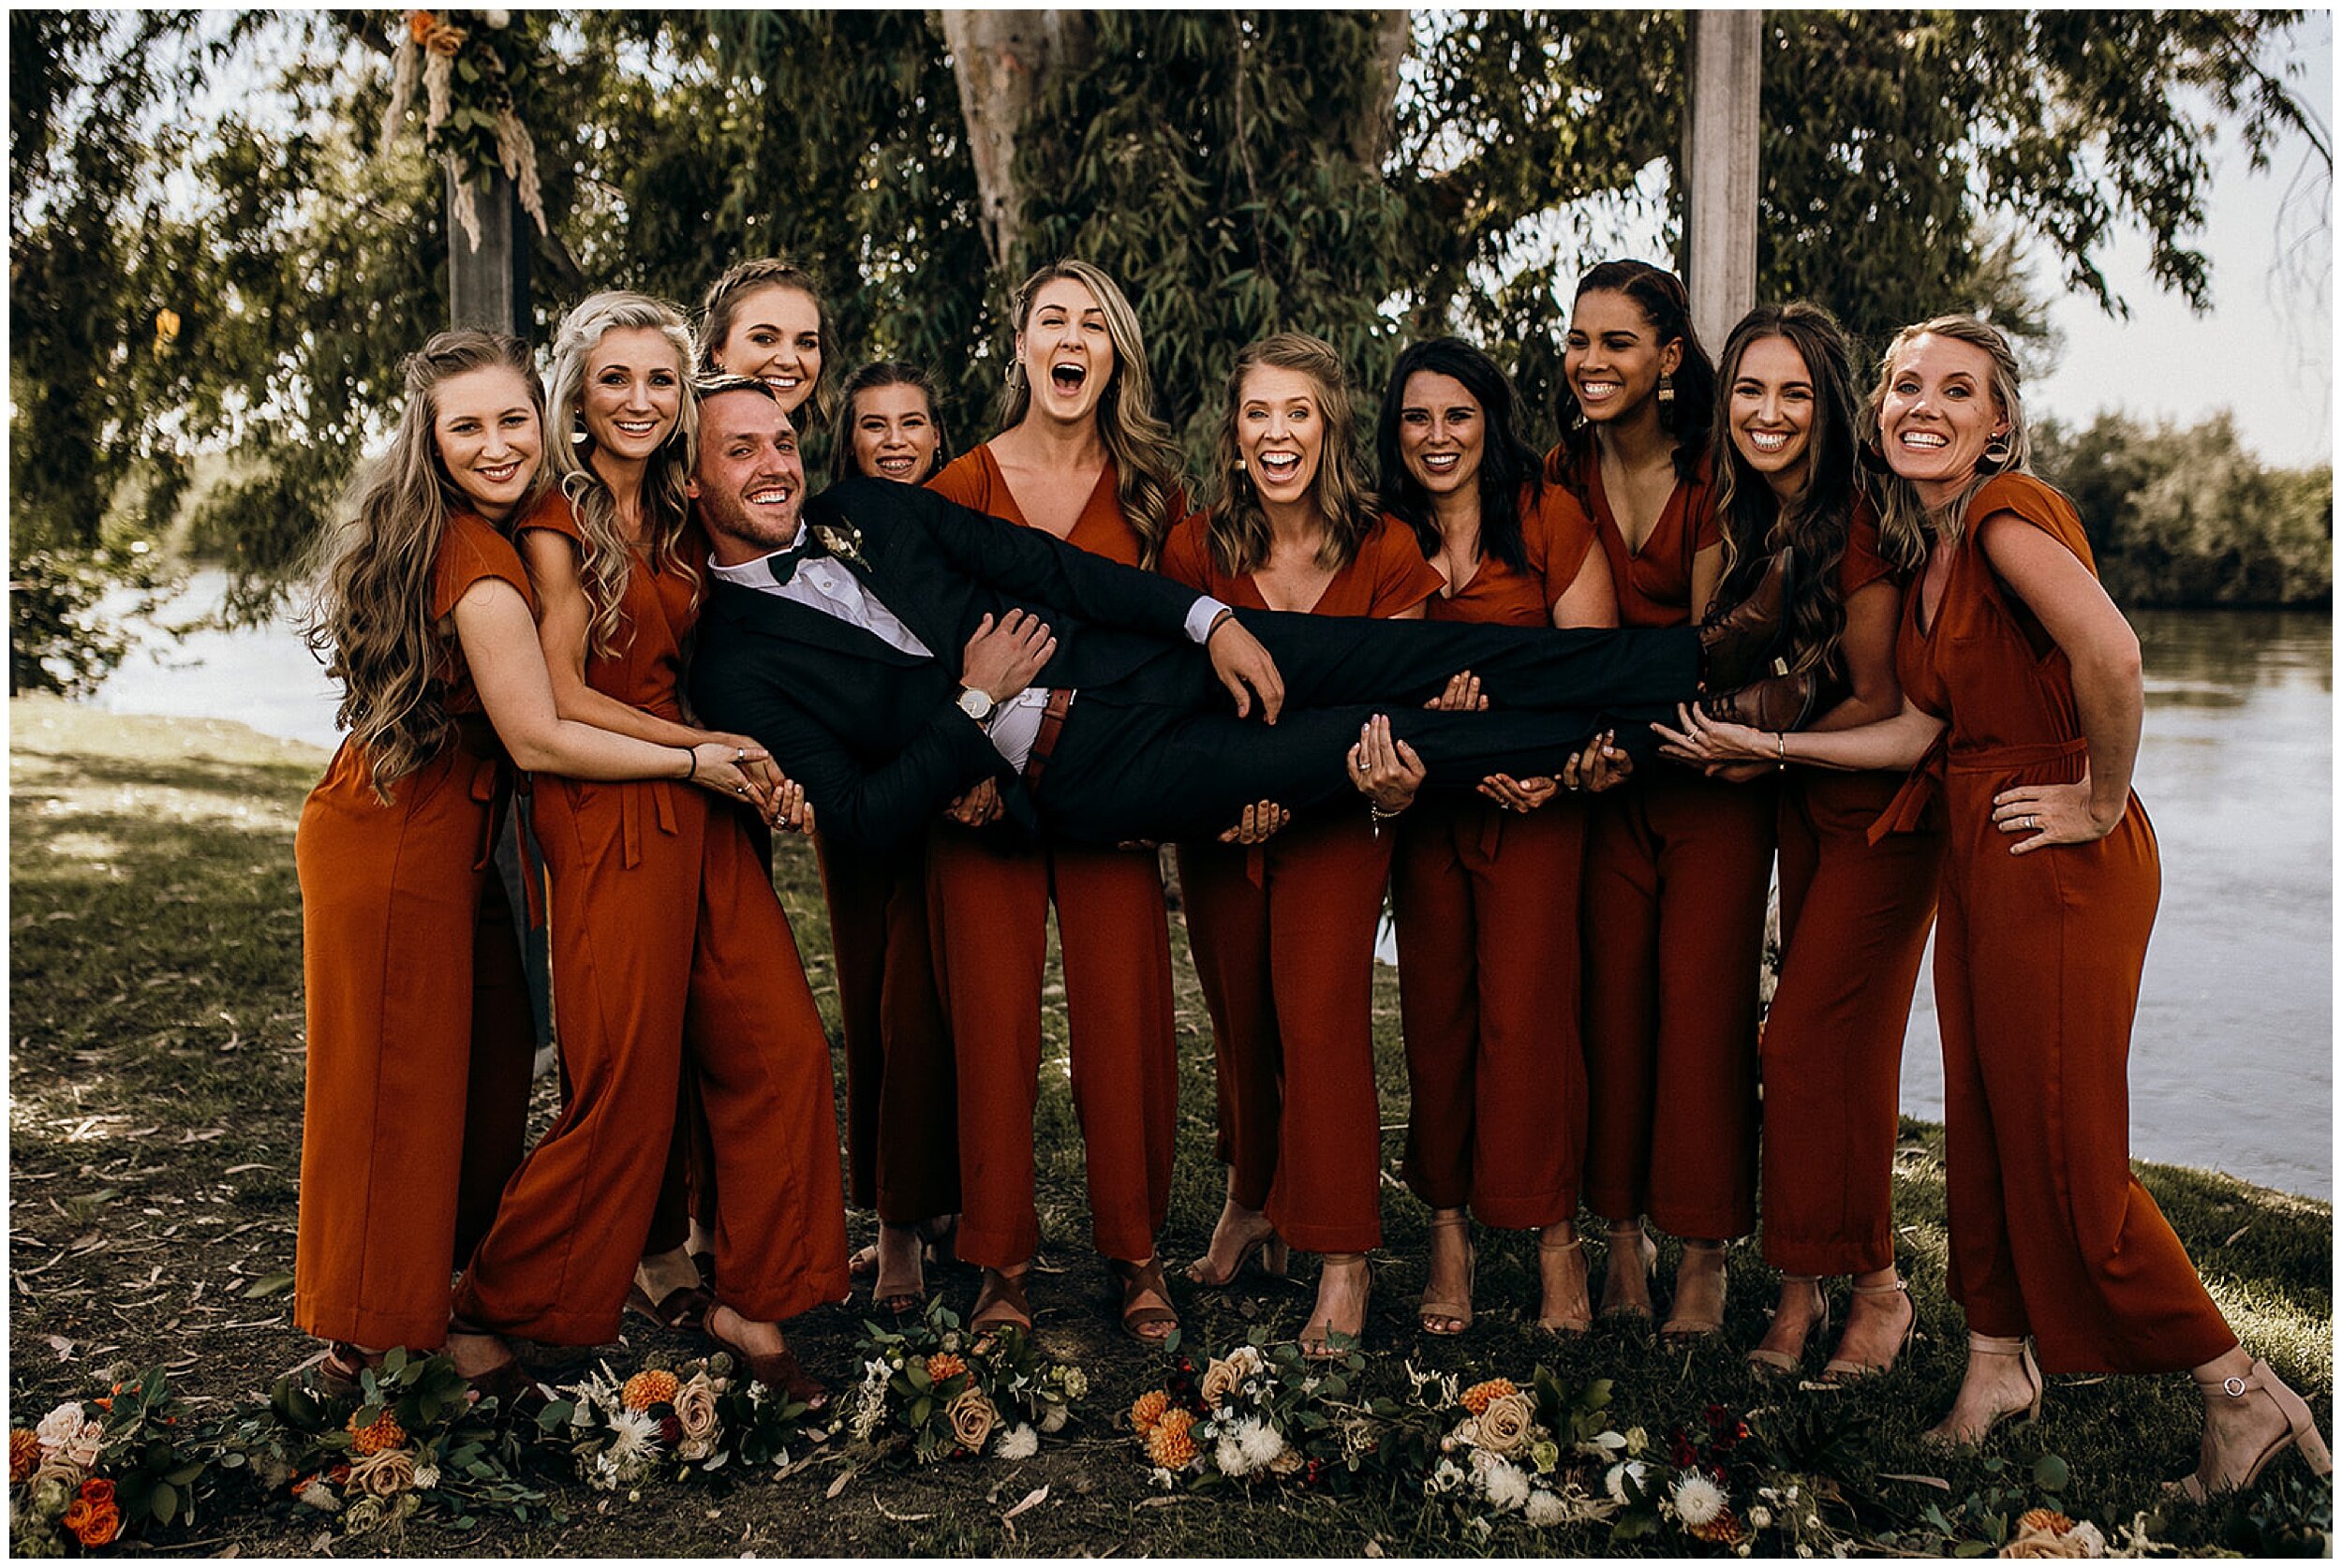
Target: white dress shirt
823	583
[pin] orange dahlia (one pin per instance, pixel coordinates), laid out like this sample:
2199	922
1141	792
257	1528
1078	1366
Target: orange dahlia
419	24
2048	1521
24	1454
1481	1395
386	1432
1146	1409
944	1365
97	1490
1725	1529
645	1389
1169	1444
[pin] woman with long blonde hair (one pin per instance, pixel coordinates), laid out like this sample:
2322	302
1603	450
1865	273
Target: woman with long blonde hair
671	953
1283	933
2021	705
1080	455
419	1031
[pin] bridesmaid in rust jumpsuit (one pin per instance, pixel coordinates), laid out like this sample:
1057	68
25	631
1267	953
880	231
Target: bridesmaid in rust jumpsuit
1854	914
1677	866
670	951
1486	891
418	1094
1081	455
2022	708
1283	934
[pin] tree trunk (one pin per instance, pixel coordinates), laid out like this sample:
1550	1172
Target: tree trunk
1002	59
1371	139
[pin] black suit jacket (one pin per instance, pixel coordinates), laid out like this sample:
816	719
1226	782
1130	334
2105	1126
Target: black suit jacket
875	735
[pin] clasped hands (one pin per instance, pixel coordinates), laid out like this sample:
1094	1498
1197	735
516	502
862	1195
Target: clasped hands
750	774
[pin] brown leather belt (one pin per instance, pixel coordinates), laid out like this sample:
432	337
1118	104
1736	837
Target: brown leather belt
1045	738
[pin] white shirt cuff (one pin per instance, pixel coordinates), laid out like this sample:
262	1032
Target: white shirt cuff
1204	611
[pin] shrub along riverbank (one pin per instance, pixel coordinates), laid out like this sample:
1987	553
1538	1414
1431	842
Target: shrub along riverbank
155	1119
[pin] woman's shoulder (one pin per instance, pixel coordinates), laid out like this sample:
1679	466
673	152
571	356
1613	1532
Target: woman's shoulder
471	548
1187	551
965	479
553	512
2033	499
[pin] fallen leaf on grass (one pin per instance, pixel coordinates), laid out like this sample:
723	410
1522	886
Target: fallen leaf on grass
1935	1481
903	1519
239	1170
2234	1234
843	1481
1374	1548
62	1346
267	1284
1159	1501
1032	1499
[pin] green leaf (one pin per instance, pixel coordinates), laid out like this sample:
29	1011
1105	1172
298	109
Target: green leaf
2050	1473
267	1284
163	1502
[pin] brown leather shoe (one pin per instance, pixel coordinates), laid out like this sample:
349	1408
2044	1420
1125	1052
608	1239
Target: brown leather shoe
1779	703
1740	645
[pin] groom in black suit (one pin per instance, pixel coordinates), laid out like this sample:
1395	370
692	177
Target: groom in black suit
891	649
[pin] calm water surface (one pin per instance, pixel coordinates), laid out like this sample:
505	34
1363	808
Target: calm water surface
2232	1062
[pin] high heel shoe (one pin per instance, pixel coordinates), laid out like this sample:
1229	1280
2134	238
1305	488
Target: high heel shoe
1583	1322
1682	1327
1774	1362
1317	1336
1942	1434
1840	1369
1264	1243
1650	1250
2301	1432
1431	1312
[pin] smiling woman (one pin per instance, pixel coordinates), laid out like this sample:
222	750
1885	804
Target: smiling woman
764	318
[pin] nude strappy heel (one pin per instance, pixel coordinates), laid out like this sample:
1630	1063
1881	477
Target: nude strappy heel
2300	1424
1941	1436
1840	1369
1776	1363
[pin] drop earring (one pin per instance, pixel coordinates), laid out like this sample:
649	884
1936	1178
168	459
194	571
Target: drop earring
1666	401
1996	455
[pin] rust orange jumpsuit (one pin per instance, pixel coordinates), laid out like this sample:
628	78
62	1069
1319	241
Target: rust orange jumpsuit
2038	958
669	951
988	902
1677	869
1283	936
420	1038
1486	903
1854	920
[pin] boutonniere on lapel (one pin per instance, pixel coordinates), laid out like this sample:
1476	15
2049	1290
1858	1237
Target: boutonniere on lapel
843	542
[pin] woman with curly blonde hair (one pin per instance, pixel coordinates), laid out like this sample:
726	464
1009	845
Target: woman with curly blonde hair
419	1031
670	951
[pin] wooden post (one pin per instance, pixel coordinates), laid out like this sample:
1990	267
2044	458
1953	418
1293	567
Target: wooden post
488	283
1724	72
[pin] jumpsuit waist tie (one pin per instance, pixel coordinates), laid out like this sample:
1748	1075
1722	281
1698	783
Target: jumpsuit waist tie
491	769
1906	813
630	799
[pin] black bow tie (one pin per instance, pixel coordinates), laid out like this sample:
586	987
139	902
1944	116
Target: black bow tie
783	564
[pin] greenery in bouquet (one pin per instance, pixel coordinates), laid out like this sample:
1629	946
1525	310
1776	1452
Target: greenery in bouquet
1493	1450
412	1437
1770	1482
1263	1412
697	1418
474	67
943	1392
95	1471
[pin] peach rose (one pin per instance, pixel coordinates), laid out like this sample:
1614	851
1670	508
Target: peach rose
973	1418
1503	1425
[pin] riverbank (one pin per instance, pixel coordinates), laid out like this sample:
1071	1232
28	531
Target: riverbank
154	1110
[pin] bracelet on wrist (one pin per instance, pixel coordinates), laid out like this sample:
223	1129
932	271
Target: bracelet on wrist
691	754
1377	814
1781	750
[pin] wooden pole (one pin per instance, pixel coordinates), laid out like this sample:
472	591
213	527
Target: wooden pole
1725	74
488	282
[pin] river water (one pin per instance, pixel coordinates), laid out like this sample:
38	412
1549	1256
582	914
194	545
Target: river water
2232	1062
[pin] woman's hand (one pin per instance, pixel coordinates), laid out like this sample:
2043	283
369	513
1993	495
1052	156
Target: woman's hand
760	766
1258	825
1520	794
1703	740
2051	813
1462	695
978	806
1384	769
1601	766
790	811
724	769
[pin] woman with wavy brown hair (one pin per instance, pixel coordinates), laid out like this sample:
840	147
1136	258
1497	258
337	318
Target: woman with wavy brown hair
670	951
1082	457
1677	866
419	1031
1854	914
1283	933
889	425
2021	706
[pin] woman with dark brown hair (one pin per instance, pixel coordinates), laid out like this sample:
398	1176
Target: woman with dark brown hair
2021	705
1677	866
1081	456
1283	934
1485	890
1854	914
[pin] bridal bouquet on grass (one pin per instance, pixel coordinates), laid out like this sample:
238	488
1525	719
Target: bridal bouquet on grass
1263	1412
939	1391
693	1419
93	1472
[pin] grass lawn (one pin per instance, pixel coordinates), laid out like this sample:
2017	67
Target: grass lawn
155	1114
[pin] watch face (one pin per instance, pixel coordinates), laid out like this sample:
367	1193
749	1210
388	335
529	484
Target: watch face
976	705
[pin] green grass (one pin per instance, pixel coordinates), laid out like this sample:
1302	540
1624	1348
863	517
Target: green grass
155	1114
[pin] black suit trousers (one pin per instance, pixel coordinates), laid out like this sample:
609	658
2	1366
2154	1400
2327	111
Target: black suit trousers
1160	754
